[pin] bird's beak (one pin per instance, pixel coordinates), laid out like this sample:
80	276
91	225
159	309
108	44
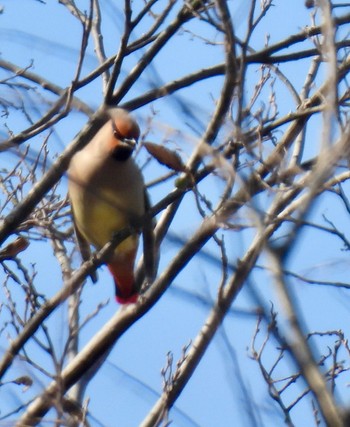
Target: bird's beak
124	149
128	143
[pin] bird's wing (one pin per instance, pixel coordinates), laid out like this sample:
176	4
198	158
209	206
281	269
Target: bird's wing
150	258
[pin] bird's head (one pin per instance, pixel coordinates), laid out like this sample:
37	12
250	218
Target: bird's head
124	134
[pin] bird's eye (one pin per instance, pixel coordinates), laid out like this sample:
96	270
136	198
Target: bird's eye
116	133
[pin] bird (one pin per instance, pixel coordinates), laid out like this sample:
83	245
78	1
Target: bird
107	193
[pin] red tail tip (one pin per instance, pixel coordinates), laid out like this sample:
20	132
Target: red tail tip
127	300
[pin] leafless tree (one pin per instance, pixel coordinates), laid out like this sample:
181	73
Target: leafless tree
251	145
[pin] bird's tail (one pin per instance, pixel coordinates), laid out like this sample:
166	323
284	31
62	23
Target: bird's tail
122	270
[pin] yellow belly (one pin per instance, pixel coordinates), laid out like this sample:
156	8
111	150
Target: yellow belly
99	221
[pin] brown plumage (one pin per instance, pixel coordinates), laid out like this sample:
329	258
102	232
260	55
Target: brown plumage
107	193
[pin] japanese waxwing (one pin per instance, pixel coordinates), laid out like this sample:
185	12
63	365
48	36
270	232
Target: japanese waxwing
107	193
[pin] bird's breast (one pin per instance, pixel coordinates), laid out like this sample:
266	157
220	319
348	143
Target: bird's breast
108	197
